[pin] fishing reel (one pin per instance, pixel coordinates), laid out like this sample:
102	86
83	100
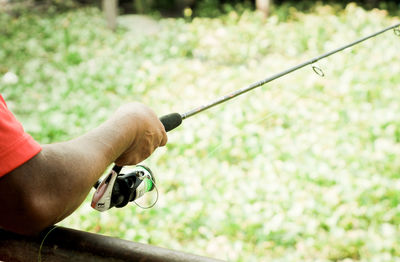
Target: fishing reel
119	189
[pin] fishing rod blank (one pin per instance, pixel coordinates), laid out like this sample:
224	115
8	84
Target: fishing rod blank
171	121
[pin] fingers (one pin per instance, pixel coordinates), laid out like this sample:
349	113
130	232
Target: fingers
134	157
142	149
148	133
163	141
164	138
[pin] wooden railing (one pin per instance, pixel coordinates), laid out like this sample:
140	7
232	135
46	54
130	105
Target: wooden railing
63	244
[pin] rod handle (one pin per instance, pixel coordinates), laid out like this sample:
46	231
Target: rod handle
171	121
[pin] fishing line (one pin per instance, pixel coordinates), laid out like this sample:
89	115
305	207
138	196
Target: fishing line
154	202
318	71
262	119
315	67
42	243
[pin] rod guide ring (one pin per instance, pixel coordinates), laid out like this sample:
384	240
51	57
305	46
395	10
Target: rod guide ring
318	71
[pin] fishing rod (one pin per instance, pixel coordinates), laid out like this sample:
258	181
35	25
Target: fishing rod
171	121
119	189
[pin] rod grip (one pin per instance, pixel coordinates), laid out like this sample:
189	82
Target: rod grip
171	121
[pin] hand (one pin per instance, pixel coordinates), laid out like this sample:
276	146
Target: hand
146	131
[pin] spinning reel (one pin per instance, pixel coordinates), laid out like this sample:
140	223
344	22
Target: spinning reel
119	189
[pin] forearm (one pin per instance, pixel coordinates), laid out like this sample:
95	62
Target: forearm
55	182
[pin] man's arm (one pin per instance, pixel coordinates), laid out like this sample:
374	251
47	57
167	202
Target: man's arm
51	185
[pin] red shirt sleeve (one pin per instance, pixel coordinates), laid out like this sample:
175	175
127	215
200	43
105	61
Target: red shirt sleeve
16	146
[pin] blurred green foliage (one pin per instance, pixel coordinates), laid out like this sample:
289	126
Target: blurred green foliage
303	169
214	8
204	8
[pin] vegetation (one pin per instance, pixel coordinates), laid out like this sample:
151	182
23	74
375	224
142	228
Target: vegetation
303	169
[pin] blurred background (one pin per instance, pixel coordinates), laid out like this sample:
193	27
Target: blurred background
305	168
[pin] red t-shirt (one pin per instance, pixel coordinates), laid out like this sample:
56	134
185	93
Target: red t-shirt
16	146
